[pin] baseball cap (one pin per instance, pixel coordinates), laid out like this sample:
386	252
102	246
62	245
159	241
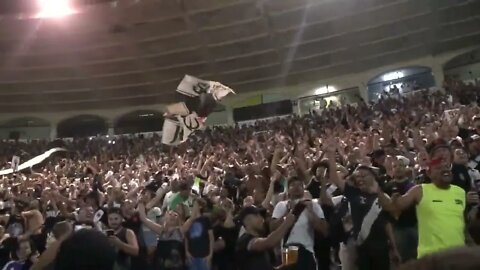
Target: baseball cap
405	161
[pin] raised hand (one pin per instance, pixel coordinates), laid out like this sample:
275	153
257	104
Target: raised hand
330	145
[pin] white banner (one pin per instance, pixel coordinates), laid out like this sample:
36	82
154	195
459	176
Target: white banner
193	87
177	132
34	161
172	132
15	163
179	108
190	124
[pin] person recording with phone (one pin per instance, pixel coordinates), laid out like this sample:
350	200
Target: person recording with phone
309	219
124	240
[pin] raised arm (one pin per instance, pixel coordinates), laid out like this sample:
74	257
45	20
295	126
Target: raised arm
158	197
400	203
271	188
332	165
274	238
155	227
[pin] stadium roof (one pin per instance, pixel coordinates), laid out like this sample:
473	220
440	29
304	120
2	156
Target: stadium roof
134	52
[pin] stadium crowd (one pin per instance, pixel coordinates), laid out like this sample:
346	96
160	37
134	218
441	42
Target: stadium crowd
371	186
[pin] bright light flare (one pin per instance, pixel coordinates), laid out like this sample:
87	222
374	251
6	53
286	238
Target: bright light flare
325	90
393	76
55	8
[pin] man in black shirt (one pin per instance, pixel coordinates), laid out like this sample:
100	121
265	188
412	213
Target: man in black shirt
252	250
372	230
405	227
200	238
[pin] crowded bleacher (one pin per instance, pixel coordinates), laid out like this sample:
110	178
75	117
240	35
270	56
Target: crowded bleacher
239	135
370	186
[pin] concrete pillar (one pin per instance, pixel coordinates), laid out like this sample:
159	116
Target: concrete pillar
53	131
439	75
363	89
229	112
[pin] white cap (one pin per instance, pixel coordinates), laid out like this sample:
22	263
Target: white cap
404	160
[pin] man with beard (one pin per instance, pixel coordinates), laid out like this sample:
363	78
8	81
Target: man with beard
440	205
123	239
252	250
132	221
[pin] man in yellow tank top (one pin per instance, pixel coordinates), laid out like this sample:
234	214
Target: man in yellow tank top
440	206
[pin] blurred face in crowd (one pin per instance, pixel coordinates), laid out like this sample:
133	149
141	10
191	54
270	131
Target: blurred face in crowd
460	156
296	189
24	250
114	221
172	219
354	156
254	223
399	169
91	202
128	208
258	196
389	163
85	214
422	159
363	179
440	172
181	211
443	154
248	201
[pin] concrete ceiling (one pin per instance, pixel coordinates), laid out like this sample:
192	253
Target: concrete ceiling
135	52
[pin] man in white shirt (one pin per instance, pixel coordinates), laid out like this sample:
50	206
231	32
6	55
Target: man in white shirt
310	219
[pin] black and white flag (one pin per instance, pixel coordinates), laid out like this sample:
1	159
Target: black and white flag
199	96
176	131
172	132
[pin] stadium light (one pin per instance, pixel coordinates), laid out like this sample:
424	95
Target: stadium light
392	76
55	8
324	90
